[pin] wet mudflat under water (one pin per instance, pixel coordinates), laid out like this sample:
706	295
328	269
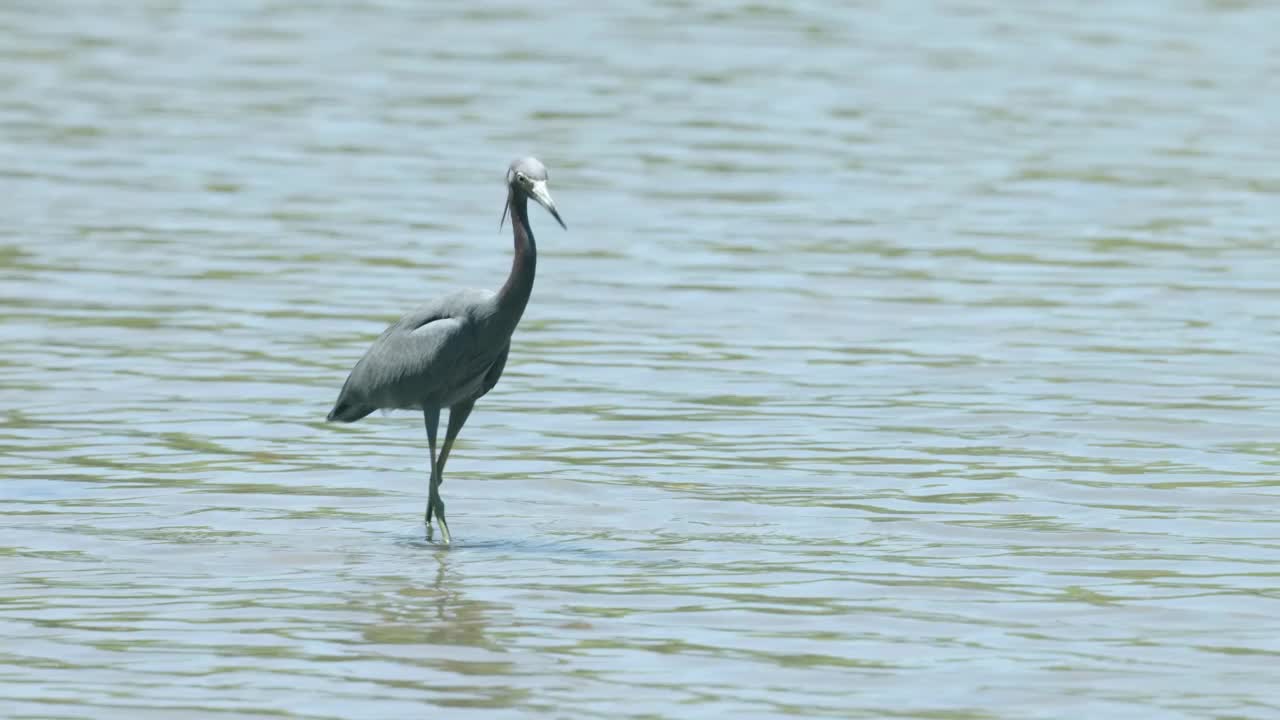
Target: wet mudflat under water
899	361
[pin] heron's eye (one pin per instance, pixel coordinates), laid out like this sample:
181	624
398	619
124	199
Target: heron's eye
520	177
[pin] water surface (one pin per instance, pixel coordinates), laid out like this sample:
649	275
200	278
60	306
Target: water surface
900	360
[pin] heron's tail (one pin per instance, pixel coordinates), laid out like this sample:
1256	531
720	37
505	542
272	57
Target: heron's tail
348	412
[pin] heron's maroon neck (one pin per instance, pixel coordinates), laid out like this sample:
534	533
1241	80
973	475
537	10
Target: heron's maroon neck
514	295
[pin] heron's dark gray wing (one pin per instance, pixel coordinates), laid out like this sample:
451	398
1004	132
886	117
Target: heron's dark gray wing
412	360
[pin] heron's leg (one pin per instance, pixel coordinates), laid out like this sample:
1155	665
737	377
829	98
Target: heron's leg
457	416
431	417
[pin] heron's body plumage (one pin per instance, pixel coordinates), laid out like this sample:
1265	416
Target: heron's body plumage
442	353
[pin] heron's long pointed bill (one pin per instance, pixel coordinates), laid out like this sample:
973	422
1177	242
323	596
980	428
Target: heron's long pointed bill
538	191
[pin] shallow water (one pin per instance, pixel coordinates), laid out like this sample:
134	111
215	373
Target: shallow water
900	360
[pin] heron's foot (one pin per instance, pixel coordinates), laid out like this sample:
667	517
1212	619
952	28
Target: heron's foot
433	497
444	526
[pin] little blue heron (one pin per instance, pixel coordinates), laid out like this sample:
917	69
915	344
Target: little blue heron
450	352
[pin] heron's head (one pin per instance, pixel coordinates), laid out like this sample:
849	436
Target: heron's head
527	177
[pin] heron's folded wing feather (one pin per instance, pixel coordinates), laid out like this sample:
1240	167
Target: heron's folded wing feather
410	360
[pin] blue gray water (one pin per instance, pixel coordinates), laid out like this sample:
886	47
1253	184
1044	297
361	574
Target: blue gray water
900	360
